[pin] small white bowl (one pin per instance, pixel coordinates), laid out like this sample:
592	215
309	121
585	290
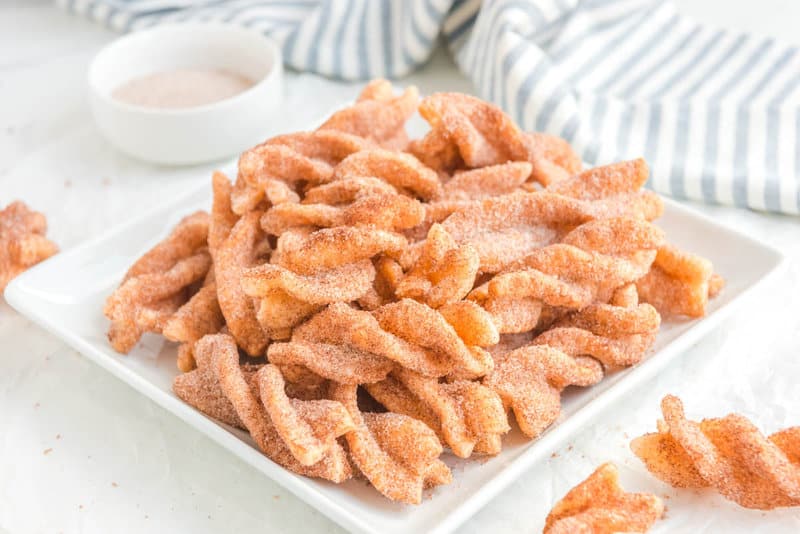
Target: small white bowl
187	135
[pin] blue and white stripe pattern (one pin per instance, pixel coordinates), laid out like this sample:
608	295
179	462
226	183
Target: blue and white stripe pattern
347	39
715	113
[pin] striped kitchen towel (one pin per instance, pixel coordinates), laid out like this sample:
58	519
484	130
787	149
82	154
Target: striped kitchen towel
715	112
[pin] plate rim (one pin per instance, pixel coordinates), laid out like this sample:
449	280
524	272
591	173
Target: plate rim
25	302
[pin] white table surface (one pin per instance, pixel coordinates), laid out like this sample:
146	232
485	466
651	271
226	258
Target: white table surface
82	452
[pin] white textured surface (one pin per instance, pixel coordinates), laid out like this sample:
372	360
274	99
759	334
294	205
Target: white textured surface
118	463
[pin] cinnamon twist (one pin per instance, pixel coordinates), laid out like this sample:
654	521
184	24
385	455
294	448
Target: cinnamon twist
371	187
530	379
22	241
236	244
377	115
728	454
505	229
386	211
352	346
159	283
487	182
613	190
300	435
467	416
274	170
443	273
573	351
600	506
398	454
617	334
679	283
309	270
201	315
552	157
589	264
466	132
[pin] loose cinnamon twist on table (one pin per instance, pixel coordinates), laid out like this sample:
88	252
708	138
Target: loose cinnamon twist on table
728	454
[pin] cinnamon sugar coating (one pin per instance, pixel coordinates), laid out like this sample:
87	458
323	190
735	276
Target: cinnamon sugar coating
398	300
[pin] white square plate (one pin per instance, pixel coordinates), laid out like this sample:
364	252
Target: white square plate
65	295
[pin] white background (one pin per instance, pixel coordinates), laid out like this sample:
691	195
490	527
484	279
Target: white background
82	452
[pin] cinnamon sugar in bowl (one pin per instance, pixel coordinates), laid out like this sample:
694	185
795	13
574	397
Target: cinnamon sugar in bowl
187	93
